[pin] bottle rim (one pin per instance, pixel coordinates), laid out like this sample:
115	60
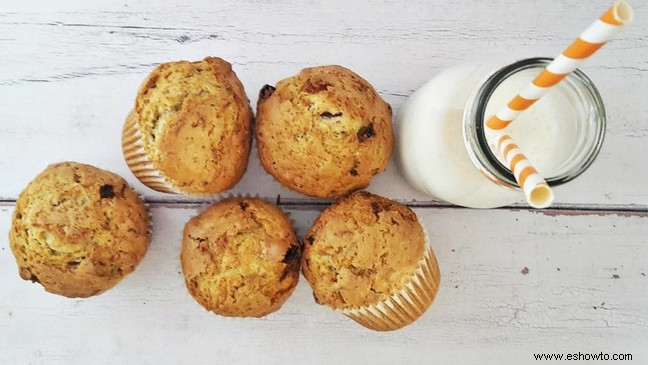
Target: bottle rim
474	128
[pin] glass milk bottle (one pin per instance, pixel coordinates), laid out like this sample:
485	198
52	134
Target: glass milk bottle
443	147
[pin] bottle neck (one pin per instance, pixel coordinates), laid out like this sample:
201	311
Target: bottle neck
588	116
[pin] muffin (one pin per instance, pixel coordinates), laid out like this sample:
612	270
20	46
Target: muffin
324	132
368	257
190	129
240	258
78	230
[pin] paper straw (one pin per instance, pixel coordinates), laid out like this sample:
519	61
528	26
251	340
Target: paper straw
536	190
604	29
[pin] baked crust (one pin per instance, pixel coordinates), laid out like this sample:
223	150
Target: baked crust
324	132
194	122
78	230
241	258
361	250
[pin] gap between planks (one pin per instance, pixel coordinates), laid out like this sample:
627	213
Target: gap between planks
306	204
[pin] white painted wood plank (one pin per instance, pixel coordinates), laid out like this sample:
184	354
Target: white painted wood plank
70	70
486	312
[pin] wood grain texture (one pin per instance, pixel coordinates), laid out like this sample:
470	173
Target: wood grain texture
70	70
487	310
514	282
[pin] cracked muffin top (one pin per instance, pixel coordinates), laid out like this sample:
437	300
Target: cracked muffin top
194	123
324	132
361	250
78	230
240	258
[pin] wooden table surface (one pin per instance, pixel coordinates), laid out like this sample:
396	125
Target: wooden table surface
516	281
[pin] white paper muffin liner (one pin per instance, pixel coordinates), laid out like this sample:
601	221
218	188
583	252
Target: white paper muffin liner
138	160
406	305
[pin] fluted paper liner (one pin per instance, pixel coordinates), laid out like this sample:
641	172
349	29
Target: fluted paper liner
138	160
406	305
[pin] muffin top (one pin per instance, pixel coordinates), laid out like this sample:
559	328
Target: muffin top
361	250
78	230
195	124
240	258
324	132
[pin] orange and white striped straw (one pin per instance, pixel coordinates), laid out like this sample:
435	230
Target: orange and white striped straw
604	29
536	190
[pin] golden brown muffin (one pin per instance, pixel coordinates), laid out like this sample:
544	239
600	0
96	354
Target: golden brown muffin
240	258
190	130
362	253
78	230
324	132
